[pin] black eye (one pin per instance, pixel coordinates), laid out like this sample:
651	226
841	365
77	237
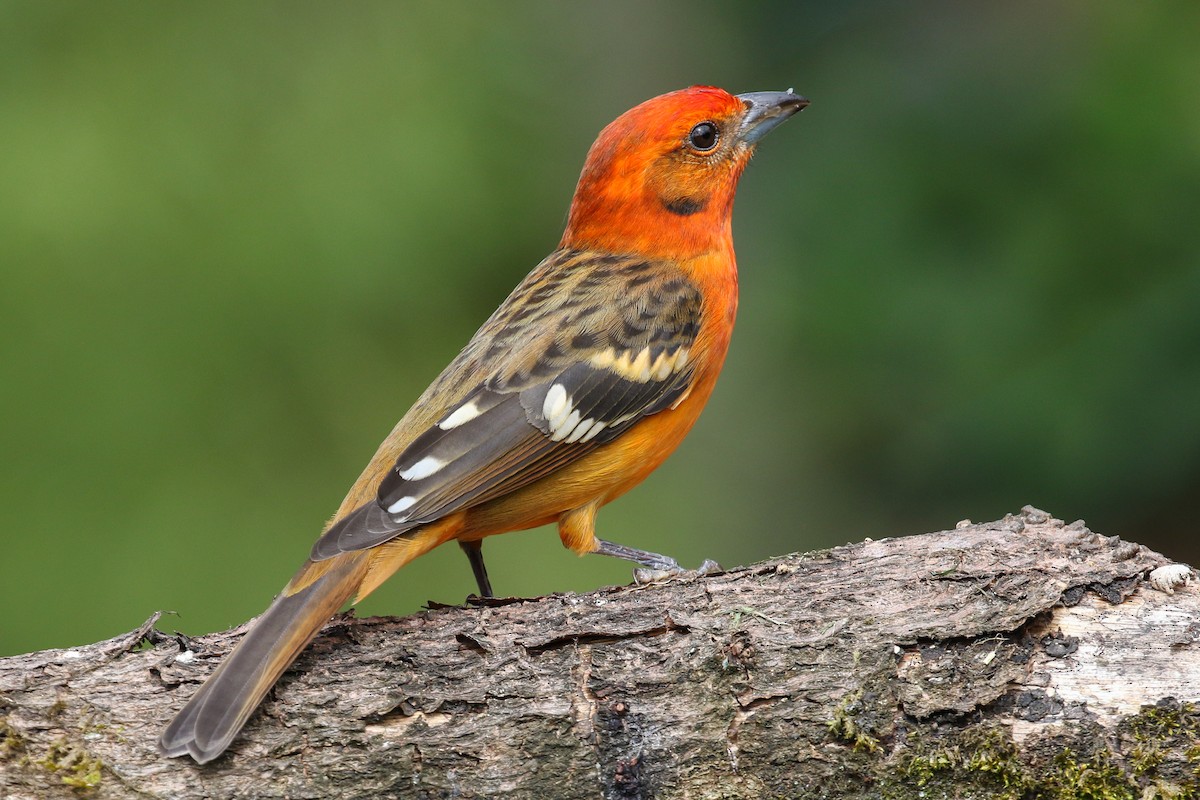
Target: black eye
703	136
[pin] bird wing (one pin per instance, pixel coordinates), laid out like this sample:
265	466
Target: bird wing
582	350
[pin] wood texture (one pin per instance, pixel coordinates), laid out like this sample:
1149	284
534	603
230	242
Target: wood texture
1019	658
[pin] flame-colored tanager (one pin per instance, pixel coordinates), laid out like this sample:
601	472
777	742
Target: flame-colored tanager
579	385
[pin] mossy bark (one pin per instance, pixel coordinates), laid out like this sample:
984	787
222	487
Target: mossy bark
1023	658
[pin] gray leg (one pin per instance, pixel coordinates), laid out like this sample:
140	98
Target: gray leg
474	551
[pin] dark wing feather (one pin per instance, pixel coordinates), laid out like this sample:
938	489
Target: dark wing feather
574	366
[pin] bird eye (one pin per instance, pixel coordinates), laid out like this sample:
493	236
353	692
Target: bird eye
703	136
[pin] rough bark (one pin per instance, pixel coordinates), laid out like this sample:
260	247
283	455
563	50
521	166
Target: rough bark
1020	658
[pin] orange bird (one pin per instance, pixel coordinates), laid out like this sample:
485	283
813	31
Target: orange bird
579	385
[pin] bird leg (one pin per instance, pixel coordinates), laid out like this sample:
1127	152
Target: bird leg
474	551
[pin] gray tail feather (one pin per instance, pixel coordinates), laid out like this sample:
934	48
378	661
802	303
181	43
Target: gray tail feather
219	709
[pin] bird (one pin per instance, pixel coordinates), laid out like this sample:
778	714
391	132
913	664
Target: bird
576	388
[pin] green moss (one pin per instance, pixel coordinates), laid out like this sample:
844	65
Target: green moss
845	727
994	756
1096	778
983	762
79	769
1157	733
1168	719
982	759
11	741
1151	755
1161	761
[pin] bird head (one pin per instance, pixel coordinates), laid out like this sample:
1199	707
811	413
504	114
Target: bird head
660	179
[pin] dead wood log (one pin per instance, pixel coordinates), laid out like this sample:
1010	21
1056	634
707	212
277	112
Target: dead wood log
1019	658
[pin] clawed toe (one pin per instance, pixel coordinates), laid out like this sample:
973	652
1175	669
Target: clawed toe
647	575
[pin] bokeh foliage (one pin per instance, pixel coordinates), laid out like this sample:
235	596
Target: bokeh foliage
237	240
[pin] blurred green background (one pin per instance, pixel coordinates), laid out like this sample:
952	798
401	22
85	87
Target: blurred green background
237	241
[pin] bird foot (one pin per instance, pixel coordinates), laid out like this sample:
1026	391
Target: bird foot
647	575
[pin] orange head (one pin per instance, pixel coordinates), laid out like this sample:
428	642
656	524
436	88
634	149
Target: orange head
660	179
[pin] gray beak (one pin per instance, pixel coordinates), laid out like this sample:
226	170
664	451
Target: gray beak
765	110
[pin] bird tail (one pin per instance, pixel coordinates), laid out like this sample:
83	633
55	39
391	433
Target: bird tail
219	709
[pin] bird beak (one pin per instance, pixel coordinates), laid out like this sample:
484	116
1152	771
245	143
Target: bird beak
765	110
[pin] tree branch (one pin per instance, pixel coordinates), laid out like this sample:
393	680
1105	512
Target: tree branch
1012	658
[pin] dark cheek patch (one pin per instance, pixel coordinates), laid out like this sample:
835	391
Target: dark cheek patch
684	206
